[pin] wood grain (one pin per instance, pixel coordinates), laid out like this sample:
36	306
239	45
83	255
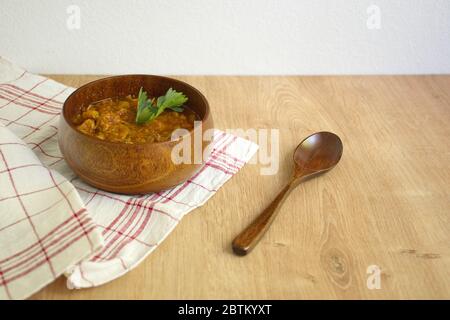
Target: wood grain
387	202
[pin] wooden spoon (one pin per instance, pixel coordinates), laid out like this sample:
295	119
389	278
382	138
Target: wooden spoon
317	154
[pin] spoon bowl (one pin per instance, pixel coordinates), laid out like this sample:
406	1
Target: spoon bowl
320	151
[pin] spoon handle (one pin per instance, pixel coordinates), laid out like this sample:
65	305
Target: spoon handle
248	238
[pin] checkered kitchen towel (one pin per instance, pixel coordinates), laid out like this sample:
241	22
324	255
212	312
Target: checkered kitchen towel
53	223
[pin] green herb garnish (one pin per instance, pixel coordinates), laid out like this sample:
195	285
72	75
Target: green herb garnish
148	110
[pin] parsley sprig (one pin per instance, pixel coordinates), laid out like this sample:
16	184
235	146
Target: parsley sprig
148	110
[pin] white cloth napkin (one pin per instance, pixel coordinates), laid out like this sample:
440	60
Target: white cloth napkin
52	222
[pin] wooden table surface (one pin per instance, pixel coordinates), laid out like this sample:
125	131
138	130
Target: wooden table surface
387	203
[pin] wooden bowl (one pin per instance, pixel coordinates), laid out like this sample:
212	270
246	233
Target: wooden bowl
128	168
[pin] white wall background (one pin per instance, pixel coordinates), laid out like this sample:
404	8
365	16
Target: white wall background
227	36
